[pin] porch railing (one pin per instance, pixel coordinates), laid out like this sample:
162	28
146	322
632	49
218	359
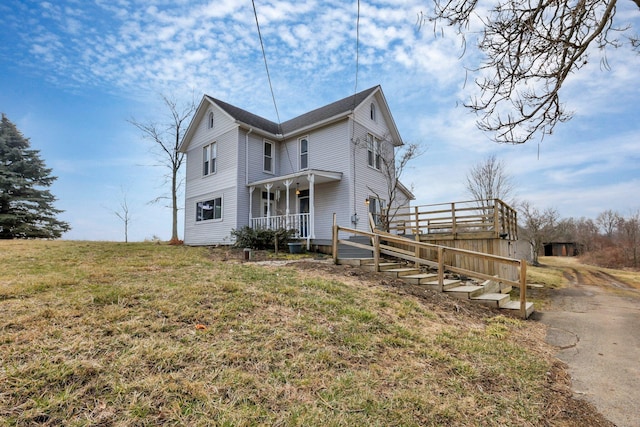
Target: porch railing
301	223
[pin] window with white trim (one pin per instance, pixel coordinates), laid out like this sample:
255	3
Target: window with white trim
210	120
373	151
209	158
268	156
208	210
373	112
304	152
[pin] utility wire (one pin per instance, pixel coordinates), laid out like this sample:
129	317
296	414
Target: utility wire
273	96
266	66
355	92
355	88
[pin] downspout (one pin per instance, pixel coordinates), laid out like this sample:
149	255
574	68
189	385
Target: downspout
246	171
246	157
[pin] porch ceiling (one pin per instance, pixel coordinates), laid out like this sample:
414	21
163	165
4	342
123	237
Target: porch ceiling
321	177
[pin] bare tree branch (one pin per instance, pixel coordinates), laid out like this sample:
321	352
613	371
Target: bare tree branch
167	138
530	48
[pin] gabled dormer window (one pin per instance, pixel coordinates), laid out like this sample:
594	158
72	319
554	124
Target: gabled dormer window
268	156
304	153
210	120
373	112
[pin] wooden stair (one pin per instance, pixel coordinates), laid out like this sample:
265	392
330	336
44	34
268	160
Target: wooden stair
490	293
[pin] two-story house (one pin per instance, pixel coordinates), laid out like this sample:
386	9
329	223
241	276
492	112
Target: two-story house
243	169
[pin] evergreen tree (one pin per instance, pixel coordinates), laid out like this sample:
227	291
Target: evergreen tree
26	206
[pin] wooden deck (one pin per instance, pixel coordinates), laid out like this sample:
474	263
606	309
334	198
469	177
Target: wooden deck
476	219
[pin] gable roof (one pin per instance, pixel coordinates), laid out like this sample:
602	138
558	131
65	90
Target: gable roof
330	112
345	105
246	117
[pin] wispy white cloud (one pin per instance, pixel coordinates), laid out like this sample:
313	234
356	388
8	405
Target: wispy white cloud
137	48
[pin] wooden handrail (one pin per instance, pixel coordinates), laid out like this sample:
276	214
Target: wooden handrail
473	216
413	254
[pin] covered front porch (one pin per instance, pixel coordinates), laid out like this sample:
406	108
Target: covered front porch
288	201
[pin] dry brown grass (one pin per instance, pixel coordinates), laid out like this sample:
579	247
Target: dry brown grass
146	334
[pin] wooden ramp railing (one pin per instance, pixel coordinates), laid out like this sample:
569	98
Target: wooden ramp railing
491	217
415	251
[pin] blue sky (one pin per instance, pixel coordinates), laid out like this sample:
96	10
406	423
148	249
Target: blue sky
72	72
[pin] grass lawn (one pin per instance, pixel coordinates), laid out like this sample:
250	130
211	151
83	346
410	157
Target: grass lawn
96	333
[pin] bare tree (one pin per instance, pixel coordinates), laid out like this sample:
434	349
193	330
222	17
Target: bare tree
629	236
167	137
530	49
393	162
608	221
489	180
537	227
124	214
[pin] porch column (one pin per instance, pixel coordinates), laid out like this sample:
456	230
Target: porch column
251	205
268	187
312	203
287	184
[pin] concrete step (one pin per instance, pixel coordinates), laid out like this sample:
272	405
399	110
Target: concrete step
515	305
465	291
419	279
492	299
401	272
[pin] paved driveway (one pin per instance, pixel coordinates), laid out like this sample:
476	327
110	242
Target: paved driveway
597	332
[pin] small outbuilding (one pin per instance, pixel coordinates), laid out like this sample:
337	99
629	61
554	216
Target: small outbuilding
561	249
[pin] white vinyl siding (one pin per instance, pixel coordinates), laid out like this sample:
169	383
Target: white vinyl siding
222	184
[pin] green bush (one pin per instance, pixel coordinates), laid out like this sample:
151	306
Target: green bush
260	238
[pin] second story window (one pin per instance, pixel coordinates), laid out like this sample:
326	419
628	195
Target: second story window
268	156
210	120
304	153
209	158
373	151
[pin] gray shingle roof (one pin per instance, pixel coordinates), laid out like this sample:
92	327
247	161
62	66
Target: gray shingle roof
335	108
344	105
247	117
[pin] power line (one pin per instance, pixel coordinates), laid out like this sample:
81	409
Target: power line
273	96
266	66
355	89
355	92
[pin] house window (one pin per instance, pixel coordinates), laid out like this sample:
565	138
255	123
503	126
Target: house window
268	157
210	120
373	151
373	112
209	157
304	153
376	209
211	209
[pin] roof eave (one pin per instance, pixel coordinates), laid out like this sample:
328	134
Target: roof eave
318	124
